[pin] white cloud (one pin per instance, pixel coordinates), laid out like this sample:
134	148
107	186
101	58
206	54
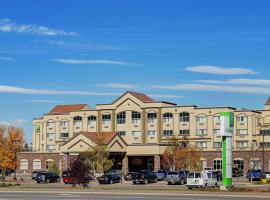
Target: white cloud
216	88
118	85
95	62
82	46
19	122
240	81
20	90
4	123
220	70
167	96
7	25
7	58
44	101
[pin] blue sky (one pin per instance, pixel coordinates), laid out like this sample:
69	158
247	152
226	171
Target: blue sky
208	53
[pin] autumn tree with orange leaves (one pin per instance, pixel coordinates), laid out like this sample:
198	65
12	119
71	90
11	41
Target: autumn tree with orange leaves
9	147
178	156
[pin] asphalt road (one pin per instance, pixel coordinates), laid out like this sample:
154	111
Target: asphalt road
128	196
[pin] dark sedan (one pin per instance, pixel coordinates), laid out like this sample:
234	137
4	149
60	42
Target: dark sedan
47	177
144	176
110	178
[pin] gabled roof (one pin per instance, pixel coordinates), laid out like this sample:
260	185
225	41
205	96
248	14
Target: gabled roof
268	101
68	108
142	97
102	137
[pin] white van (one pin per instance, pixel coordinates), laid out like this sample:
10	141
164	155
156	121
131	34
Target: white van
201	179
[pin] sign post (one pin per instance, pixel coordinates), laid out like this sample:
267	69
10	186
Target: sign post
226	131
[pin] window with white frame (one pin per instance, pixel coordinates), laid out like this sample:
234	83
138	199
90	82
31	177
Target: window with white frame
184	117
49	163
255	164
239	163
242	144
201	119
121	118
151	117
217	164
36	164
24	164
50	124
51	136
167	132
242	119
136	137
167	117
50	147
122	133
201	132
64	135
242	131
265	132
217	119
136	117
106	118
201	144
77	121
92	120
184	132
217	144
151	133
216	131
64	123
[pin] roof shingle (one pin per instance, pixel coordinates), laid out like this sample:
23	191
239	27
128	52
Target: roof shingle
67	108
268	101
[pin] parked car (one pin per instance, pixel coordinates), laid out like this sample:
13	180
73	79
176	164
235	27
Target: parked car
201	180
161	174
116	171
176	177
47	177
34	174
209	169
267	175
236	172
65	174
110	178
68	179
255	174
217	174
144	176
128	176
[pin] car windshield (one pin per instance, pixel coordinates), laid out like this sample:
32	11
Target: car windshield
42	173
197	175
172	173
191	175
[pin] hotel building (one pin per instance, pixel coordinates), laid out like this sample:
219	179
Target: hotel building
137	129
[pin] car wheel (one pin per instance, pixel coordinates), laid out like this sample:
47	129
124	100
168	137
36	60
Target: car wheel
145	181
48	181
190	188
58	180
133	182
155	181
111	181
169	183
205	186
216	184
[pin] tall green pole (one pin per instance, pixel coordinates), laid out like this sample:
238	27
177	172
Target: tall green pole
226	131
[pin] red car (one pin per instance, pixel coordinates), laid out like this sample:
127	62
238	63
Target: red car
68	180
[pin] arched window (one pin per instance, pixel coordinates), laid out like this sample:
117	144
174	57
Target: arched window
218	164
106	118
92	120
49	163
238	163
36	164
24	164
136	117
184	117
121	118
77	121
167	117
151	116
255	163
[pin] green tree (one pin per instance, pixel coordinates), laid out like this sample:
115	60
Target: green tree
54	168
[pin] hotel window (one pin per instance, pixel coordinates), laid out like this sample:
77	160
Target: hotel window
77	121
167	117
217	119
37	128
216	131
151	117
201	119
217	164
24	164
167	132
242	131
184	117
184	132
239	163
50	124
242	118
122	133
241	144
51	136
201	144
121	118
136	137
106	118
64	123
265	132
63	135
265	145
201	132
92	120
49	163
36	164
217	144
151	133
136	117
